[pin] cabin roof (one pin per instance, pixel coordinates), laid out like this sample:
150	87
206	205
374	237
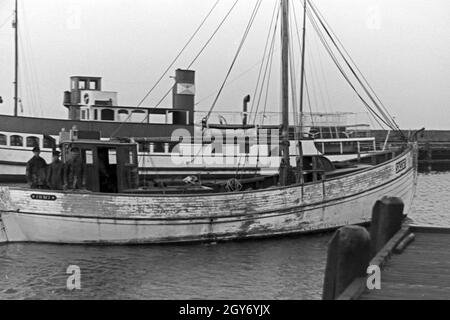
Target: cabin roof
86	77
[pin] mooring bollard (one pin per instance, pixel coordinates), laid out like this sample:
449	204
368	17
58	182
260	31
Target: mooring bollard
387	219
348	259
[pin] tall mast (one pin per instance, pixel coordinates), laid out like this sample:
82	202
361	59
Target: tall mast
284	167
16	64
302	86
302	90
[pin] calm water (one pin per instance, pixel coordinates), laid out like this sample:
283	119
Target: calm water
271	269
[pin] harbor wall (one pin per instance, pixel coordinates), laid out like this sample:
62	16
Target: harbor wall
434	147
426	136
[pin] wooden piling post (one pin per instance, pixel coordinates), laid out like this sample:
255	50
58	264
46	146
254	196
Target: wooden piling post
387	219
348	258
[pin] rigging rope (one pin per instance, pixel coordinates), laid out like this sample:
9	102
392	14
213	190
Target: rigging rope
267	72
269	77
28	55
342	71
268	63
6	21
387	119
214	33
353	62
244	37
293	87
180	53
272	20
193	61
356	76
230	82
333	57
241	44
314	75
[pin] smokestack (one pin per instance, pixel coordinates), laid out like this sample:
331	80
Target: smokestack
184	96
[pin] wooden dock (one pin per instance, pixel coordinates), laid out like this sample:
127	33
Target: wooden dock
414	264
422	271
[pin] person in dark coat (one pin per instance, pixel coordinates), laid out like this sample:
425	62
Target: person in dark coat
55	173
36	170
74	171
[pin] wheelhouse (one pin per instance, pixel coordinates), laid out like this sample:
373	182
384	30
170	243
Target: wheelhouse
109	166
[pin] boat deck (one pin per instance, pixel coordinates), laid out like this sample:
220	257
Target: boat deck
421	272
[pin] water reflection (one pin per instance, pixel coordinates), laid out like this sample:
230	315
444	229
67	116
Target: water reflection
432	199
271	269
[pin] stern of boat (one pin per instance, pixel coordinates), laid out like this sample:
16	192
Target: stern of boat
10	230
3	237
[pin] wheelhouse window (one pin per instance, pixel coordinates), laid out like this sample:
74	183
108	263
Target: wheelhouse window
16	141
95	114
89	157
112	156
32	142
107	115
82	84
83	114
3	140
92	85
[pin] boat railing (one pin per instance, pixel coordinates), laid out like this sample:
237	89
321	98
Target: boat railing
337	119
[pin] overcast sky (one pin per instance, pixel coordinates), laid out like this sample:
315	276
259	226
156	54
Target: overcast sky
402	46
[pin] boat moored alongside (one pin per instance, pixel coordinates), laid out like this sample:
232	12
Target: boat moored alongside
130	217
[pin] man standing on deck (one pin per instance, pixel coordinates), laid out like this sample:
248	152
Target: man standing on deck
74	171
55	173
36	170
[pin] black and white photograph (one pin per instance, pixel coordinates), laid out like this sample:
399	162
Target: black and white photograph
225	155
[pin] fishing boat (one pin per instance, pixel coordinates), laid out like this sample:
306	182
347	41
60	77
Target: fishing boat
308	193
132	215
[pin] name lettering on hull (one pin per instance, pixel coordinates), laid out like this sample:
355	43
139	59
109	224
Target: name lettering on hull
400	166
44	197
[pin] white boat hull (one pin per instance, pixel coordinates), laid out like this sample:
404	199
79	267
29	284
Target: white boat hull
56	217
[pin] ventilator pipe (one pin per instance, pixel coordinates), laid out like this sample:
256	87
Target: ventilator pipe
245	110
